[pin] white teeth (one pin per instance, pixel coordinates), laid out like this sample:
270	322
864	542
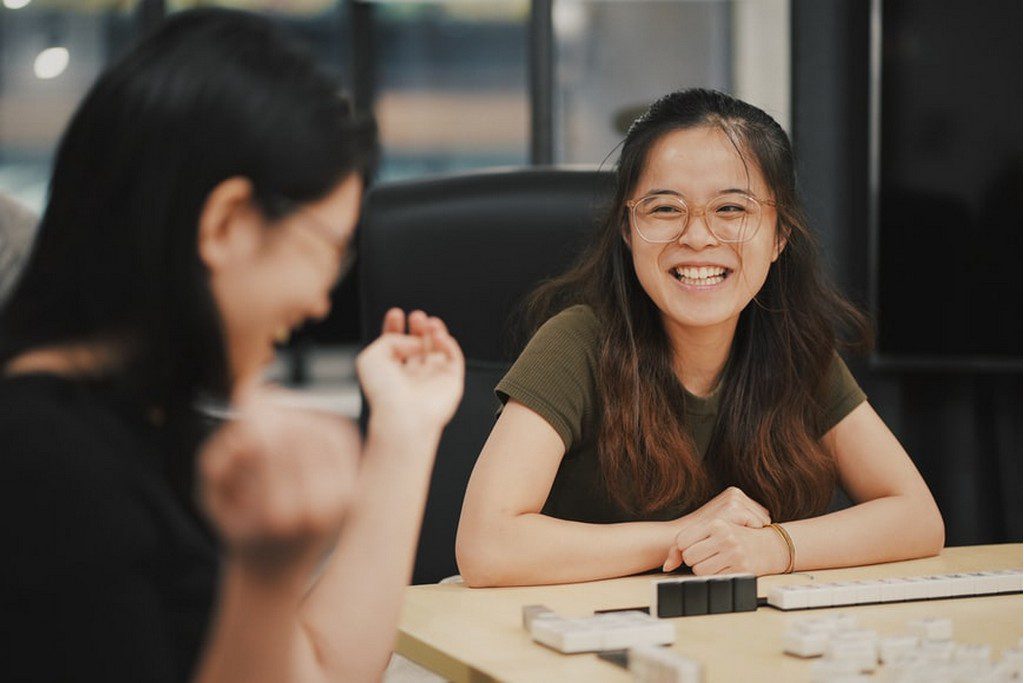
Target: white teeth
704	276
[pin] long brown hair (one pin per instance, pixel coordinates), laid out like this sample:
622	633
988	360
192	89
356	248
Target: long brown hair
766	440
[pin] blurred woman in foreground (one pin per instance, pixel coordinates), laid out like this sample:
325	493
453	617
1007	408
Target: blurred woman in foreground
202	205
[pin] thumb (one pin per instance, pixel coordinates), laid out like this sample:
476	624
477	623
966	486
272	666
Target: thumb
674	560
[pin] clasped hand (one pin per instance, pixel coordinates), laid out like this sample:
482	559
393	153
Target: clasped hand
726	534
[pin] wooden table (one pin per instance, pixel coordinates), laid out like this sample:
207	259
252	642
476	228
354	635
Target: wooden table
476	634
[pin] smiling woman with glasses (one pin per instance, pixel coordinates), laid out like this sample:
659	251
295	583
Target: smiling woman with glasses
682	400
202	206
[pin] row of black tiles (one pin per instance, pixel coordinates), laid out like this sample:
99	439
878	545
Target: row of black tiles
712	595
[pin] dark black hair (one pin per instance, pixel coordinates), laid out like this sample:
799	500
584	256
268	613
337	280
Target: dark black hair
211	94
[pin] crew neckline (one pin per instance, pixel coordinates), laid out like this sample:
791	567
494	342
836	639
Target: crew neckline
702	405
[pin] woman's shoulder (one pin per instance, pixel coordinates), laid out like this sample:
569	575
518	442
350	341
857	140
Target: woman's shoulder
555	376
44	410
62	447
78	479
838	393
579	321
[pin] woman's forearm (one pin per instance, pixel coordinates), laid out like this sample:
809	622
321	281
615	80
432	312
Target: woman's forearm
352	612
881	530
254	633
532	548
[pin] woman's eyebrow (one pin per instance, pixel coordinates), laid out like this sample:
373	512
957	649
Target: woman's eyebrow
731	190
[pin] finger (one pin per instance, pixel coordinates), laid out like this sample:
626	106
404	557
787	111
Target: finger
748	518
738	507
397	346
716	564
692	533
404	347
438	324
756	508
673	561
760	520
699	552
444	342
418	323
762	513
394	322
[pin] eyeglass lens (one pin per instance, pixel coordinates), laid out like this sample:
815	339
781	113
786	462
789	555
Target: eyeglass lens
731	217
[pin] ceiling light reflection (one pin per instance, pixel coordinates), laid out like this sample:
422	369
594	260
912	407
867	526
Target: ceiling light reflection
51	62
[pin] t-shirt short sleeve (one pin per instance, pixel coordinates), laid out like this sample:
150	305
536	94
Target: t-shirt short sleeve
555	376
842	394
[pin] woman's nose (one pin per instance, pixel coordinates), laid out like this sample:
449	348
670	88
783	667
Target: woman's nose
697	232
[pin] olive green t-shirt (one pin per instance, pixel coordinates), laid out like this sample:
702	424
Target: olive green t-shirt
556	377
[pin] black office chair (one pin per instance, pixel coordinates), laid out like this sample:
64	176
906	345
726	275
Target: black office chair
469	248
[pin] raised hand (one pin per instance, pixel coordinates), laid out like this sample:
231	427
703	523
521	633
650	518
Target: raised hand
413	375
721	517
276	483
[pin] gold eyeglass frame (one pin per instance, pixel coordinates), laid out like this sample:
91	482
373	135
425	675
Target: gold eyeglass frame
691	215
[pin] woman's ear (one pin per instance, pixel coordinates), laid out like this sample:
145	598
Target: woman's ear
228	223
626	234
781	240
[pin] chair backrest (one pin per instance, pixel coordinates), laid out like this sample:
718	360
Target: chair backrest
469	249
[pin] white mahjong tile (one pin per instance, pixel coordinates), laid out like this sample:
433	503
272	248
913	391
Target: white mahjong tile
973	653
931	628
894	648
868	592
788	597
844	593
892	590
938	650
805	643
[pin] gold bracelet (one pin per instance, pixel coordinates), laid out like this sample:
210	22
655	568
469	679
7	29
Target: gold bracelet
781	531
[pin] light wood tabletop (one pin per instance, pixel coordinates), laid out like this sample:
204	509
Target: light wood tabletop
476	634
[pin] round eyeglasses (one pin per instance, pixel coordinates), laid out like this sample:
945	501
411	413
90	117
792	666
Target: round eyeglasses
334	239
329	234
731	217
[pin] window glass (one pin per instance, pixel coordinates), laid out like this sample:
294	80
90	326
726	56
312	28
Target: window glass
450	85
614	57
322	24
50	54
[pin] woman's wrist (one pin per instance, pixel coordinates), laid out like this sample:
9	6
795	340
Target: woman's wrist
285	584
779	549
389	425
672	528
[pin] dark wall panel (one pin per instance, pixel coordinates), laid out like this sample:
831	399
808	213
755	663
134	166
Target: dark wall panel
962	428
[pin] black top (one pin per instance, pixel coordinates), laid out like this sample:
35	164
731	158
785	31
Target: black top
105	571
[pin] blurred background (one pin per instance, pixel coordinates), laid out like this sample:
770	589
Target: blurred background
905	115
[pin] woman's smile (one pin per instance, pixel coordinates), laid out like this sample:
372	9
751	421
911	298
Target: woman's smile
701	278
